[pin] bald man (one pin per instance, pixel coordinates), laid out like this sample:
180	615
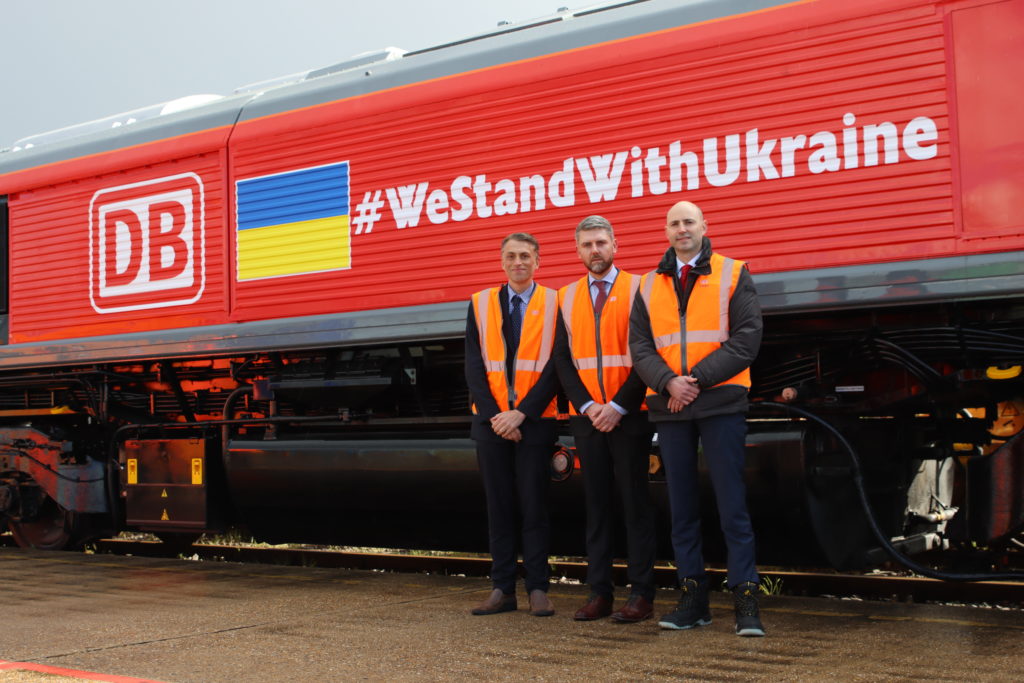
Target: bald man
695	328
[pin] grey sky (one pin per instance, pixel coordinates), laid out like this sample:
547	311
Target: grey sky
71	61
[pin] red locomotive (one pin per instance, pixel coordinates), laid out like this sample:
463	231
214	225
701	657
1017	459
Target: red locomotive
252	310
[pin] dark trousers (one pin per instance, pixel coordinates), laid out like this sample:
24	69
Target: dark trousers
516	477
611	459
723	438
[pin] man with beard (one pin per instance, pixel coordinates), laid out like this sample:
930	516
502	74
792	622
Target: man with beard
613	436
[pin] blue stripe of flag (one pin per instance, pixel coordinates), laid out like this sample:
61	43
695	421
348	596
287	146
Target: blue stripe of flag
294	196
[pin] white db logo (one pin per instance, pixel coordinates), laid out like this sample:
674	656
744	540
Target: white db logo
146	244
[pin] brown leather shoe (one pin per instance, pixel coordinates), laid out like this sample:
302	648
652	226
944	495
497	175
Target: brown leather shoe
637	608
496	603
597	607
540	606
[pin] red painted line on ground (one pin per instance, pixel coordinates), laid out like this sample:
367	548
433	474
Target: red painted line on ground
74	673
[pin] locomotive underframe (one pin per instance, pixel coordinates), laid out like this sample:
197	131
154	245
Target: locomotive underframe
366	444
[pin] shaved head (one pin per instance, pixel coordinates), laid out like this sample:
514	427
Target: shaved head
688	205
685	227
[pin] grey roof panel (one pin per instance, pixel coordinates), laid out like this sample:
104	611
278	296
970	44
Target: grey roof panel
219	114
515	42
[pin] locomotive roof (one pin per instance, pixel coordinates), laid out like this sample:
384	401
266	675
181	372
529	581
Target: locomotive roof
369	72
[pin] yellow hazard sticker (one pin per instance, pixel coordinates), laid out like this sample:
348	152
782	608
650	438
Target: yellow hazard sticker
164	517
197	471
163	494
133	471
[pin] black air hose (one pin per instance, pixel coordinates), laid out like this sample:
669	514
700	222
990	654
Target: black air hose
858	480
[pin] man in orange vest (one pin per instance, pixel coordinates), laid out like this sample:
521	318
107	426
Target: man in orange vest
694	331
510	332
610	424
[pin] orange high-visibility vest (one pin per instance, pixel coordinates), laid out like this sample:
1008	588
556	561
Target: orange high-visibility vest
535	343
600	352
684	342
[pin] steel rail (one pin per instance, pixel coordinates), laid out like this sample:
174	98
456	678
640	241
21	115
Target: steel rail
812	583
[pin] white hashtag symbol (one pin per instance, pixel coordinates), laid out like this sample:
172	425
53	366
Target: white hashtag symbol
367	212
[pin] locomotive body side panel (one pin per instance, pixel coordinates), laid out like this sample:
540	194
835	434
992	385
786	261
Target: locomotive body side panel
138	250
818	135
985	61
829	131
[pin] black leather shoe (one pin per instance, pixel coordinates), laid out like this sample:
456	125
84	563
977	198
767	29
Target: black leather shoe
597	607
496	603
637	608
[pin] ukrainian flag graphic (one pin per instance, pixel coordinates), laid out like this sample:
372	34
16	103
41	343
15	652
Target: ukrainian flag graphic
293	223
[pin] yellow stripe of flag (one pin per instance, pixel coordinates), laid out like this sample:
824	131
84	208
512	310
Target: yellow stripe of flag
294	248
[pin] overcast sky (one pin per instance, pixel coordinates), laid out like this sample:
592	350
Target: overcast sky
71	61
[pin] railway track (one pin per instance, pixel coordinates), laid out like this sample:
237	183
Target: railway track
785	581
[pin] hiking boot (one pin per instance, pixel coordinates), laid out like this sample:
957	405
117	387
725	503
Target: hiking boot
693	608
748	620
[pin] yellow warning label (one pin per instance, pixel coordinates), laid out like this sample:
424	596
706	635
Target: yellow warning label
133	471
164	517
163	494
197	471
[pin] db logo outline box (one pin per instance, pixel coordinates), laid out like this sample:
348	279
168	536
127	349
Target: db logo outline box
147	244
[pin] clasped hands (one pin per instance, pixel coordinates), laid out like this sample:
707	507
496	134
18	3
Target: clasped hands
603	416
506	424
682	392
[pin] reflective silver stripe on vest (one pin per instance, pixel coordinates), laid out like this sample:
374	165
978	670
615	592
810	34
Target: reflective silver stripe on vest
646	291
634	287
547	340
647	283
609	361
713	336
614	360
723	299
483	304
668	339
483	310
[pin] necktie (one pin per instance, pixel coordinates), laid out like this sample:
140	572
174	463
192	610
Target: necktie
682	275
516	318
602	296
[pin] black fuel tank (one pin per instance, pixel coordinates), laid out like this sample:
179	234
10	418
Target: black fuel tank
410	491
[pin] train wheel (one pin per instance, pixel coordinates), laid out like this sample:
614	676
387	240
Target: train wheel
51	528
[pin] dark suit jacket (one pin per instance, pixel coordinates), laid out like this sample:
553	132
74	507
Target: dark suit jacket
535	430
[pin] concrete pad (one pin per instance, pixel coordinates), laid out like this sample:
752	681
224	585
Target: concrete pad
180	621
